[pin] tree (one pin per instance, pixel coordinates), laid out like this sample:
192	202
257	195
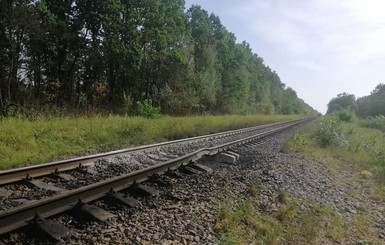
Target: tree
342	101
109	54
15	21
374	104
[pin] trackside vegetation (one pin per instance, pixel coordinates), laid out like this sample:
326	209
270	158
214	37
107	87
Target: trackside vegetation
352	149
359	142
239	222
31	141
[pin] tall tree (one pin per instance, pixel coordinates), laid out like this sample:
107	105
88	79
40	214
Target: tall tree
109	54
15	17
342	101
373	104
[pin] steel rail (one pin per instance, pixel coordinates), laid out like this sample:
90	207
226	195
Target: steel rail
18	174
19	217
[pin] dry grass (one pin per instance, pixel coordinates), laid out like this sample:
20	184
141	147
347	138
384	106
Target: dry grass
239	222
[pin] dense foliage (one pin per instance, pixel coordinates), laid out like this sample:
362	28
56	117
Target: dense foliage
342	101
373	104
329	132
110	54
377	122
368	106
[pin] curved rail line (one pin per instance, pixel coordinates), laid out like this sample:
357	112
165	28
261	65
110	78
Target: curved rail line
18	174
18	217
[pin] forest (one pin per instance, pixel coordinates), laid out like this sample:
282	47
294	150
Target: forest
367	106
111	55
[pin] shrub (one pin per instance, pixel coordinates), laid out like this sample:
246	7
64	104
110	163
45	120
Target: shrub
329	133
345	115
377	122
146	109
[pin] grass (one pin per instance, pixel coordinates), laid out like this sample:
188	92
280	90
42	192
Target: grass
239	222
364	151
361	159
42	139
377	122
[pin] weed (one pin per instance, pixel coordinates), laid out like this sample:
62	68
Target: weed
254	189
329	133
127	103
238	222
345	115
362	226
299	141
287	213
147	109
377	122
362	208
283	197
366	174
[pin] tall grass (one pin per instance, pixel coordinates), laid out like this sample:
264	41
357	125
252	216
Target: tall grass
25	141
377	122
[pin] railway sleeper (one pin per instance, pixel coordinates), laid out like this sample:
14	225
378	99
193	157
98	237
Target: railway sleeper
53	230
143	190
127	201
94	212
63	176
189	170
236	155
160	180
87	169
173	174
201	168
42	185
225	157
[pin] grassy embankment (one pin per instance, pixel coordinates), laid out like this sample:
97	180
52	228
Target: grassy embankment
353	152
25	141
239	222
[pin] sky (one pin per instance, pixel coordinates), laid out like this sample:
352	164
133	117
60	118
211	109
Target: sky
318	48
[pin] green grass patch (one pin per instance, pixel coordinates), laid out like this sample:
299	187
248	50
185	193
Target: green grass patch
363	148
32	141
239	222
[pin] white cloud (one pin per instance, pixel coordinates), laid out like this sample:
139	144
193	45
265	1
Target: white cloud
352	31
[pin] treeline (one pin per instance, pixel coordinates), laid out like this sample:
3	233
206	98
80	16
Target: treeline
367	106
109	54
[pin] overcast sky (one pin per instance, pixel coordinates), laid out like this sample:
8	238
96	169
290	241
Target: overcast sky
320	48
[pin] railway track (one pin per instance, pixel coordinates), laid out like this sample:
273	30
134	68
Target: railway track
167	159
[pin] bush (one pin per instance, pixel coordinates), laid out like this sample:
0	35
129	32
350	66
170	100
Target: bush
345	115
146	109
329	133
377	122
